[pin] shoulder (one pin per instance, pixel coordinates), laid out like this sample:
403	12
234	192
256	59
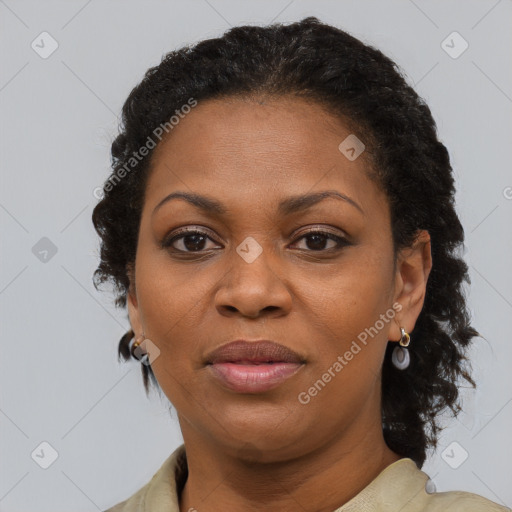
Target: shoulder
403	486
160	494
461	501
132	504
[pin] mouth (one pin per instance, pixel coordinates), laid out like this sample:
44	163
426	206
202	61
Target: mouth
253	366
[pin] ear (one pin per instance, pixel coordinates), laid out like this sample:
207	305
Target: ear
132	303
412	271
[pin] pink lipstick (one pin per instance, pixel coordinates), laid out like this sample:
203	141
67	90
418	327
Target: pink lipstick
253	366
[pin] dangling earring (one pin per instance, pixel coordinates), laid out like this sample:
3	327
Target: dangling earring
401	357
137	351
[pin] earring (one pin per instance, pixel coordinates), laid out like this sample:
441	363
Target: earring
400	357
137	351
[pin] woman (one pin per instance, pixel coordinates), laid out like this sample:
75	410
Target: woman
280	224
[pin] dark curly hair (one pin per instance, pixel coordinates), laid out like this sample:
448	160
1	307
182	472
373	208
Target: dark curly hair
367	90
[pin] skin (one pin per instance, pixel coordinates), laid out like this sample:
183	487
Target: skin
269	451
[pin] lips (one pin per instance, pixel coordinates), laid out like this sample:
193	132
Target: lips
253	366
253	352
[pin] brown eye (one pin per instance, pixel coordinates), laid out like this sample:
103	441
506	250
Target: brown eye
317	240
191	240
195	241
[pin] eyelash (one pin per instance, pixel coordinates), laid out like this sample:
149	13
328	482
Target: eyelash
341	241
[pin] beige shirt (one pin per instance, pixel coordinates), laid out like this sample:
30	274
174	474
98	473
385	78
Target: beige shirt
398	488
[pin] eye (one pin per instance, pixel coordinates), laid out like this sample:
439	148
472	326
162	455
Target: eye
195	240
318	240
190	240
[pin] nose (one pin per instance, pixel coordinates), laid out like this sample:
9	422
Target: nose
251	289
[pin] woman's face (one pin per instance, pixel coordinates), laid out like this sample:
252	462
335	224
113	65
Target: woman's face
255	273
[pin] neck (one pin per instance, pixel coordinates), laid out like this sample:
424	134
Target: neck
327	477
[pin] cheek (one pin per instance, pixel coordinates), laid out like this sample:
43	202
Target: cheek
352	297
174	301
352	337
345	373
170	294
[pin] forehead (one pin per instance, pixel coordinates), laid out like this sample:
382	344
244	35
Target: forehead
254	152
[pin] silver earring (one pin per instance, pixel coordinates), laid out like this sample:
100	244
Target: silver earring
401	357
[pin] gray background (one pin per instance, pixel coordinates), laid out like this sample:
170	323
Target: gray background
61	382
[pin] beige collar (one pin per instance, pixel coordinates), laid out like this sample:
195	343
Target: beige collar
398	488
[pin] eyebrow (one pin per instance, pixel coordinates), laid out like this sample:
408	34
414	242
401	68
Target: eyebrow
287	206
